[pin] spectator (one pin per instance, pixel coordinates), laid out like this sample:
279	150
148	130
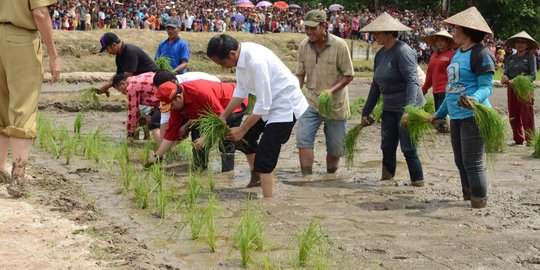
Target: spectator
174	48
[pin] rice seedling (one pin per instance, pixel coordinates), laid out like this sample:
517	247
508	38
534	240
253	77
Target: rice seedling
141	189
52	147
45	129
535	143
68	148
77	124
195	218
376	114
148	147
123	153
311	243
212	129
90	96
429	107
193	191
162	200
128	173
325	104
251	103
249	236
523	88
418	124
349	144
211	181
491	126
183	149
209	214
354	107
163	62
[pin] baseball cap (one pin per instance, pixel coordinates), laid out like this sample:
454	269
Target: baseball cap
314	18
173	23
107	40
166	92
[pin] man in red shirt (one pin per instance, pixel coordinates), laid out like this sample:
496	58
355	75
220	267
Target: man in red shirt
140	92
189	101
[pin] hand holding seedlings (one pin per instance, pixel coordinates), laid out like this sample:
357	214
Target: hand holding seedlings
199	143
236	134
367	120
505	80
466	101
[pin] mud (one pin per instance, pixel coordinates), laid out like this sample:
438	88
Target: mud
372	224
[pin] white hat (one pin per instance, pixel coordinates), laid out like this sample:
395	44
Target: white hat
432	39
385	23
470	18
511	42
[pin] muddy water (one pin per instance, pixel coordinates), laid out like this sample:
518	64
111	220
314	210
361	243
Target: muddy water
372	224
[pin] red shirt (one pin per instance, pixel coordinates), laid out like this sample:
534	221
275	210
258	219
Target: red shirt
436	75
200	96
140	91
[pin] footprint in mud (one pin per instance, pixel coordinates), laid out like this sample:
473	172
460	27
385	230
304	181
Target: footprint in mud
80	171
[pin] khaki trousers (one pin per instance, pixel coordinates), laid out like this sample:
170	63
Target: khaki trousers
21	76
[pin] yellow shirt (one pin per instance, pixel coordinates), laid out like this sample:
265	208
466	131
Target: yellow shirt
324	70
19	12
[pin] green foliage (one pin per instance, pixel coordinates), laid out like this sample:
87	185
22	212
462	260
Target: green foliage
349	144
163	62
325	104
523	88
418	124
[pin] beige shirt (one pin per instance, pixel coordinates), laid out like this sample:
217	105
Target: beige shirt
324	70
19	12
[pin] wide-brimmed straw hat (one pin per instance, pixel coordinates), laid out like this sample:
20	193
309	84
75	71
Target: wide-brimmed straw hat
385	23
511	42
432	39
470	18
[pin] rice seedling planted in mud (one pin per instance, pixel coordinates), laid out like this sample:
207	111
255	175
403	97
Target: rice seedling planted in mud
249	236
210	225
195	217
535	143
418	124
212	129
163	62
523	88
311	244
77	124
128	173
68	148
349	143
90	96
193	191
354	107
325	104
182	150
491	126
148	147
142	188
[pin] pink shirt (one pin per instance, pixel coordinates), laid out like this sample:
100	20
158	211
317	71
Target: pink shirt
140	91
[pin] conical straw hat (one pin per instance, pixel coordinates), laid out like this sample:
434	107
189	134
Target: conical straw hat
432	39
470	18
385	23
511	42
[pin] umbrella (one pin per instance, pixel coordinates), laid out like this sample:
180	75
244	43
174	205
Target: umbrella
245	5
239	18
263	4
291	6
281	5
335	7
243	2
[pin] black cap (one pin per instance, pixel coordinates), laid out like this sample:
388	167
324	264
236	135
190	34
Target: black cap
107	40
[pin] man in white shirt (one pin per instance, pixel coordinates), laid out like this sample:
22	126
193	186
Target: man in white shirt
279	103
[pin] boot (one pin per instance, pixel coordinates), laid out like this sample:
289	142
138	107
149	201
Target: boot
227	162
386	175
255	180
307	170
466	194
4	177
16	188
417	183
478	202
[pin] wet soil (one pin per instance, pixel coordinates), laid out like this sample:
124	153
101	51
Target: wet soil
372	224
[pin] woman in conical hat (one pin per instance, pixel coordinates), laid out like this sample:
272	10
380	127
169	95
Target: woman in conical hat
436	76
521	113
470	78
396	78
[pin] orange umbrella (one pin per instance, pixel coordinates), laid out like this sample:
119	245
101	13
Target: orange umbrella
281	5
246	5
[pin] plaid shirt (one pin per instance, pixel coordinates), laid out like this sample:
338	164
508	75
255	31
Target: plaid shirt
140	91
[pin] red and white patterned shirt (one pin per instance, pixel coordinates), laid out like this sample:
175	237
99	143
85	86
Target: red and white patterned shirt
140	91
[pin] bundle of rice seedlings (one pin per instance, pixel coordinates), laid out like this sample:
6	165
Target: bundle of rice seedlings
491	126
249	236
182	150
311	243
90	96
535	143
523	88
212	128
251	103
354	107
163	62
325	104
429	107
349	144
77	124
377	110
418	124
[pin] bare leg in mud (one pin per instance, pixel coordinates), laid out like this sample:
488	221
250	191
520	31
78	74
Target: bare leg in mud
21	150
4	146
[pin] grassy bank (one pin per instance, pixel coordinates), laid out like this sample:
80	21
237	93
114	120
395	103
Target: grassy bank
79	51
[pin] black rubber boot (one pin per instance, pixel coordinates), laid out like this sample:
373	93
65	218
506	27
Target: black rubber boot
227	162
255	180
386	175
478	202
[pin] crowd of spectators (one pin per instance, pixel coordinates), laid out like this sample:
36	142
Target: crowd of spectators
226	15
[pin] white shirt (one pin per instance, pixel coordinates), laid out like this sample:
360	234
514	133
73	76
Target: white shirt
261	73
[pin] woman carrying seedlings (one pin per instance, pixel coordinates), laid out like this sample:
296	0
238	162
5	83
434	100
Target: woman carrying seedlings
520	112
396	78
470	79
21	73
189	101
279	102
436	76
